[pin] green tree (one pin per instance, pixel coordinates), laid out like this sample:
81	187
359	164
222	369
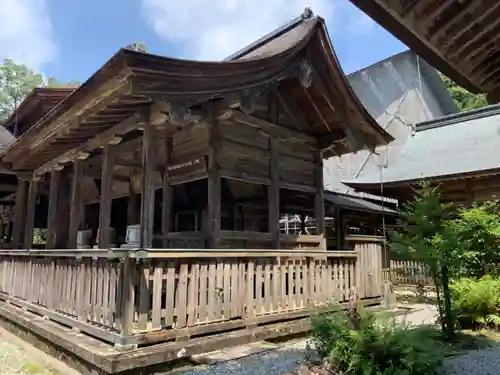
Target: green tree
422	237
16	82
464	99
477	229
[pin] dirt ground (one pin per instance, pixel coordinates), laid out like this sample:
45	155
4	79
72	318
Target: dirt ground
17	357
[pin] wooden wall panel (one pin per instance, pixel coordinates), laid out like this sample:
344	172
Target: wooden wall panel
243	134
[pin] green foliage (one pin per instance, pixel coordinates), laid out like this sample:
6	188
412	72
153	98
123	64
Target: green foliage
16	82
464	100
39	236
476	230
477	302
422	237
361	345
422	220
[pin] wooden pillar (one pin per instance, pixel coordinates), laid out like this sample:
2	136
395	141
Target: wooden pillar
76	205
55	178
131	204
167	196
149	163
303	223
63	209
30	213
9	227
273	193
2	224
319	201
127	302
19	214
339	228
105	201
214	187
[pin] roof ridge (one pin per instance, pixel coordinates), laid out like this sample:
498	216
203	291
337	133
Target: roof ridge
283	29
459	117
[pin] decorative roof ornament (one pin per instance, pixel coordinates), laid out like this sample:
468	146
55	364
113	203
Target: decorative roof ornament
305	73
139	47
308	13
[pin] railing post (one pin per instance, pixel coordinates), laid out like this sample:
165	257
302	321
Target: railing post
126	302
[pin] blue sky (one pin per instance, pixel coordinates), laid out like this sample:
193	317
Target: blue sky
72	39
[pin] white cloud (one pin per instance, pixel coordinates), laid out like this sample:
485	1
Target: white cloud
26	32
213	30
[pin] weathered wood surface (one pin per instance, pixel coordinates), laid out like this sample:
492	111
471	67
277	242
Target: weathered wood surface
408	273
20	214
145	296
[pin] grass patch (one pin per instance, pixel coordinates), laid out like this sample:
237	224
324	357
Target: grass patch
465	340
36	369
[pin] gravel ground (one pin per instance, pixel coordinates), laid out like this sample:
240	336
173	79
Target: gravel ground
274	362
291	354
475	362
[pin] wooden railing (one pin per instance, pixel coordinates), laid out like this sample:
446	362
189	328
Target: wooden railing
408	273
243	239
130	297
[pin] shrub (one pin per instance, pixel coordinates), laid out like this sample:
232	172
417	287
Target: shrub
356	343
477	302
423	237
477	230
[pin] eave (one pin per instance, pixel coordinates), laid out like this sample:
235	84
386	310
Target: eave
38	103
459	38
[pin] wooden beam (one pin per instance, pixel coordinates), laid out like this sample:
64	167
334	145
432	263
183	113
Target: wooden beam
98	174
214	187
149	156
329	140
442	28
119	162
292	110
319	202
99	140
19	214
76	205
167	195
480	14
30	213
55	177
105	201
273	129
273	193
108	93
8	188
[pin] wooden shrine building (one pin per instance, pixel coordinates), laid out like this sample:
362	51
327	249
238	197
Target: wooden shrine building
36	105
459	153
457	37
189	154
163	184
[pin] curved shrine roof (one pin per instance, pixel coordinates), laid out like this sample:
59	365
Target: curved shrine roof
464	144
131	79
